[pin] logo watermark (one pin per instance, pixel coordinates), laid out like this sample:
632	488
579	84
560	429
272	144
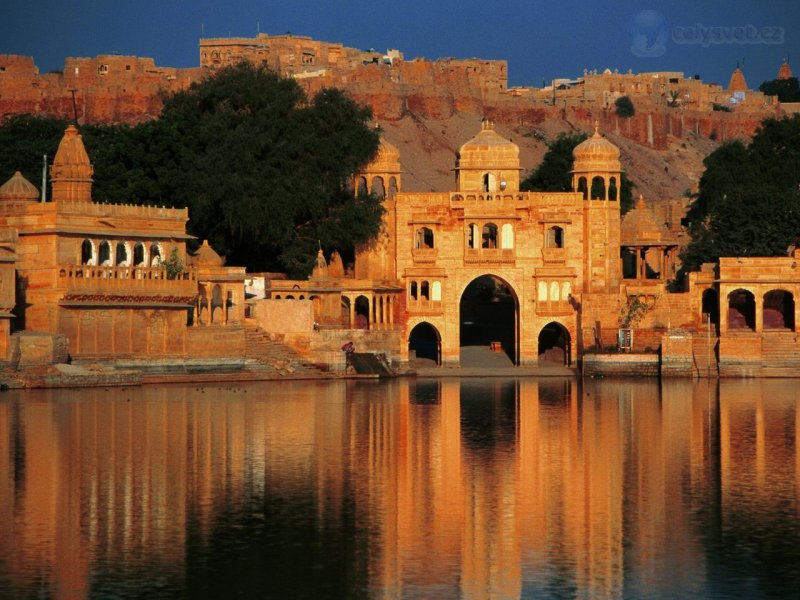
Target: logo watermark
741	34
650	32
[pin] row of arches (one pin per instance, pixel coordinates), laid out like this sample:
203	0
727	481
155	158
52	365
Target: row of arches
602	188
489	236
377	187
424	290
121	254
554	344
775	310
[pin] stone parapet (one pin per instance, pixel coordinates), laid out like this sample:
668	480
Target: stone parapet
621	365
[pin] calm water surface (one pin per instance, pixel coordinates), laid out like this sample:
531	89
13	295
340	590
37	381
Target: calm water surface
404	489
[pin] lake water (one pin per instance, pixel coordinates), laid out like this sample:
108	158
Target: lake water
472	488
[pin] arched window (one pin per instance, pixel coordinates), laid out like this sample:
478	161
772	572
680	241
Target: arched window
424	238
436	291
507	236
87	253
424	290
155	254
612	189
489	182
542	291
378	189
392	188
122	257
582	187
489	236
598	188
104	254
555	237
361	189
139	258
555	292
566	290
412	290
472	235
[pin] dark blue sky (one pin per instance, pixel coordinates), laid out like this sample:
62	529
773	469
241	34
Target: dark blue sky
540	39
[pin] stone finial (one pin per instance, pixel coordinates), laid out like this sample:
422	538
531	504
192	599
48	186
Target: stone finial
71	171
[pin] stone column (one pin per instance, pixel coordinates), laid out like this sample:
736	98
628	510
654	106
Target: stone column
352	312
759	316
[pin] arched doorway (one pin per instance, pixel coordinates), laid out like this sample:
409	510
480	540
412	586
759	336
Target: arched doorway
426	343
710	306
741	310
778	310
362	313
489	323
555	345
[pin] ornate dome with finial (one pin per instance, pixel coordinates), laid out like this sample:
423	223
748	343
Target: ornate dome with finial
488	150
596	154
71	172
18	189
206	256
641	227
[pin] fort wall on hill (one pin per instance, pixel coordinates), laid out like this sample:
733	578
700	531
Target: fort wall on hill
128	89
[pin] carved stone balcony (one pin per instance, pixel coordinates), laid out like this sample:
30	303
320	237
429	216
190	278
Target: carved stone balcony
85	279
489	256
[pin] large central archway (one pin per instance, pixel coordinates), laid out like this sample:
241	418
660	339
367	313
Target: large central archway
489	323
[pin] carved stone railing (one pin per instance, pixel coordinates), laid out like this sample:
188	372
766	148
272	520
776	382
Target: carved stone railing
424	255
85	278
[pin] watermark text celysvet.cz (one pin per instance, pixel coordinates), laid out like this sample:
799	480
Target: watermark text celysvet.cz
650	34
706	36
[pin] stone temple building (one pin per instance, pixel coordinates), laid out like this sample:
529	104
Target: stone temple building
111	280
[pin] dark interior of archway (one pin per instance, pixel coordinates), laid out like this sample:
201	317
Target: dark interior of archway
488	314
424	342
554	344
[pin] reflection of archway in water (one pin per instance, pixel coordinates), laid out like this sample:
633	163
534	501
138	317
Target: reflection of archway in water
554	344
489	316
426	343
489	410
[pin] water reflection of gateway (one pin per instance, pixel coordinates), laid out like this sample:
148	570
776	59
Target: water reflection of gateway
515	486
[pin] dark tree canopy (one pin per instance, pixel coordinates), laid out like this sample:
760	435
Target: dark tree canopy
24	141
624	107
262	169
787	90
749	200
553	173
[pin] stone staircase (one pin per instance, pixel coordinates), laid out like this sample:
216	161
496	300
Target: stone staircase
704	362
268	355
779	355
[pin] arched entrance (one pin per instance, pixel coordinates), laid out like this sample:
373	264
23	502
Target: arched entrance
426	343
489	323
710	306
555	345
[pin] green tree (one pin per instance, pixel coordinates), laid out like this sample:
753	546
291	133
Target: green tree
623	107
554	172
24	140
263	170
749	198
787	90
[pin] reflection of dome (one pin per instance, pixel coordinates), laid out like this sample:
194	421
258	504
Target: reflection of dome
596	154
206	256
488	150
18	189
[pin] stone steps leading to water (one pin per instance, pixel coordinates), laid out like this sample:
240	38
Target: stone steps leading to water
266	354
